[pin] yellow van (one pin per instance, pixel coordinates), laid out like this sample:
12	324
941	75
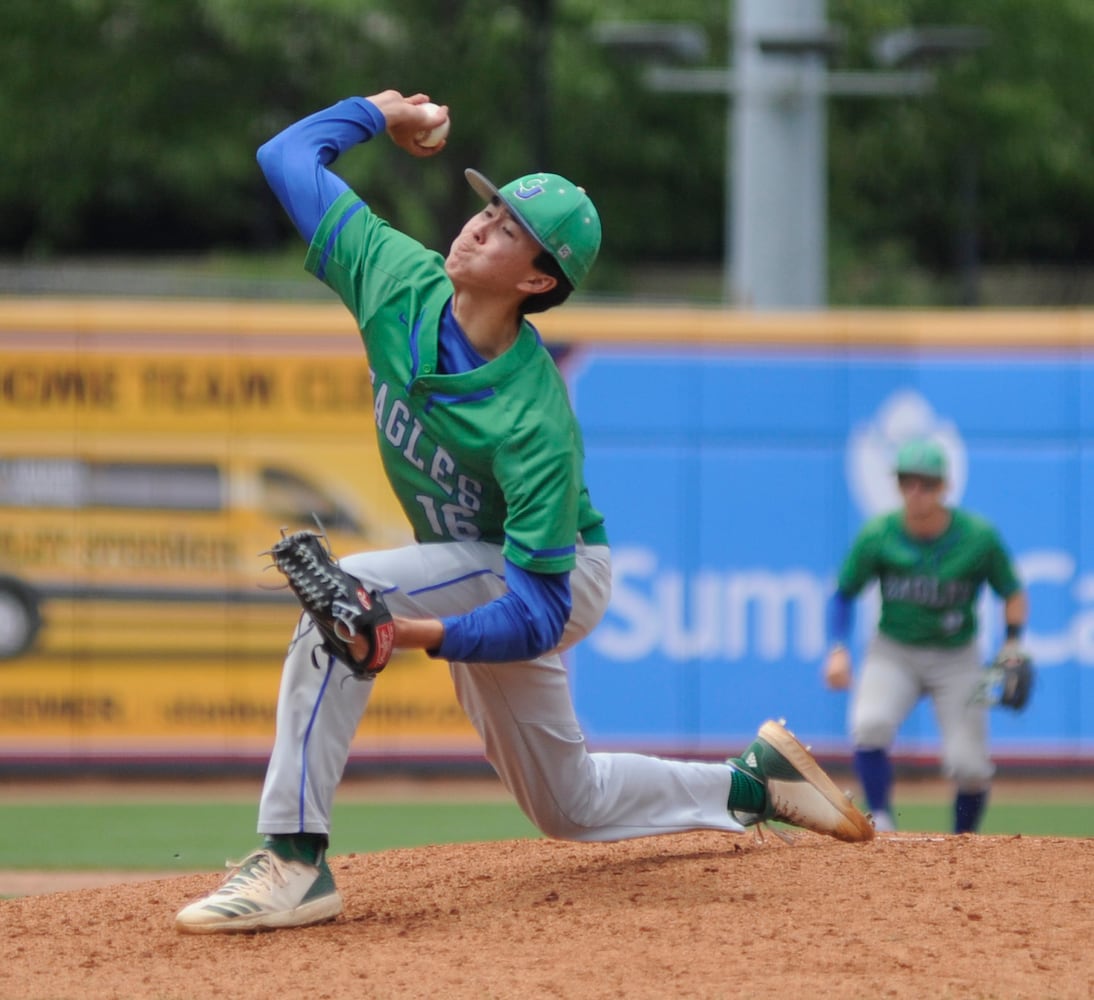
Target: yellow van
143	473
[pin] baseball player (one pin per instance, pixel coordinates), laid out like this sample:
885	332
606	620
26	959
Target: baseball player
511	564
930	561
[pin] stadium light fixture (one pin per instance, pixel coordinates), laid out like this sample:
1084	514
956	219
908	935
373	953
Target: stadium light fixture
654	41
920	46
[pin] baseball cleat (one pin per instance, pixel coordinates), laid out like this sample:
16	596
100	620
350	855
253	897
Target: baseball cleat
263	892
883	821
798	790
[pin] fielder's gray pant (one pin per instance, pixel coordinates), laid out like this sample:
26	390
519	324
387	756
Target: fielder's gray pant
895	676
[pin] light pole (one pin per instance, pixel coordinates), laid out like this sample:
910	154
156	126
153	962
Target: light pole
775	224
776	234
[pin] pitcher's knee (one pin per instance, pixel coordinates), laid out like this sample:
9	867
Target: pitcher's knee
556	826
565	816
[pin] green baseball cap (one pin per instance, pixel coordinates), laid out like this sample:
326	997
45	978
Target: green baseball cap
557	213
921	458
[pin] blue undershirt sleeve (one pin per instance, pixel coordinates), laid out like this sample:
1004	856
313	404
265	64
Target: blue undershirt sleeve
525	623
295	160
841	615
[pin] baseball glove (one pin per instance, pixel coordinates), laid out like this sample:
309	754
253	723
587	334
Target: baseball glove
1015	670
1007	680
356	625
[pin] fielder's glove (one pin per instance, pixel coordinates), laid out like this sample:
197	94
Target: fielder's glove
356	625
1007	680
1016	676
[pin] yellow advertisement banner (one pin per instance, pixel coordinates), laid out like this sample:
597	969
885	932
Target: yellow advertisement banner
88	391
148	456
51	706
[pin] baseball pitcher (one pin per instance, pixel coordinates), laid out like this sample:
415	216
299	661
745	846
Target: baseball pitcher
512	563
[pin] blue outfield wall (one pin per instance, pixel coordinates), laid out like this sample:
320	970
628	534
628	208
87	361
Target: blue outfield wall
733	481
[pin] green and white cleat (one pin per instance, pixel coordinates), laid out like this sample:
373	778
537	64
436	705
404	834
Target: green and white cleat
798	790
264	892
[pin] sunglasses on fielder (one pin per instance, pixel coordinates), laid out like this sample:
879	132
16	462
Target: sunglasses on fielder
912	480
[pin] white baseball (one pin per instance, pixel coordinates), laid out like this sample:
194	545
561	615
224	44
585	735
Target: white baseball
432	137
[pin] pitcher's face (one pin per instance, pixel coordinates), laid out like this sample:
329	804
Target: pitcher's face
492	251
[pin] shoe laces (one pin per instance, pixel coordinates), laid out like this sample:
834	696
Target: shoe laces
758	824
784	835
259	867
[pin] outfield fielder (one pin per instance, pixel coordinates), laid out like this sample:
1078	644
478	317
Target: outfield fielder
930	561
512	563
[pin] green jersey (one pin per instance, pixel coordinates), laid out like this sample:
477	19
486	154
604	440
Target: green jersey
929	587
494	454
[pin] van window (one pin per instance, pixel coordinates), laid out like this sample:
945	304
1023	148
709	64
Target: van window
73	483
287	496
155	486
42	482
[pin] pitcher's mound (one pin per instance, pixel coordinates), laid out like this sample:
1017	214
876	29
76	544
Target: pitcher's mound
700	915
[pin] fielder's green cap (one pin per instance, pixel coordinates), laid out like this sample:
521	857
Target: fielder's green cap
557	213
921	458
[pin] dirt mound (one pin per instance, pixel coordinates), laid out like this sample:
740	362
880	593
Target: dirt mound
699	915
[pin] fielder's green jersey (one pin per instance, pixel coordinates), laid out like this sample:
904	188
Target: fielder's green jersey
929	588
494	454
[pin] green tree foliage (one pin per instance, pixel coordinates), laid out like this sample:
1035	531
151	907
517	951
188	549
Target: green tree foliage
132	124
119	120
1008	124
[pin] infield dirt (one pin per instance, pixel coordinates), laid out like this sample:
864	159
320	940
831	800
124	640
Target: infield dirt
699	915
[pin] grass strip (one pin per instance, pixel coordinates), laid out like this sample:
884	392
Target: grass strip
170	836
159	836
